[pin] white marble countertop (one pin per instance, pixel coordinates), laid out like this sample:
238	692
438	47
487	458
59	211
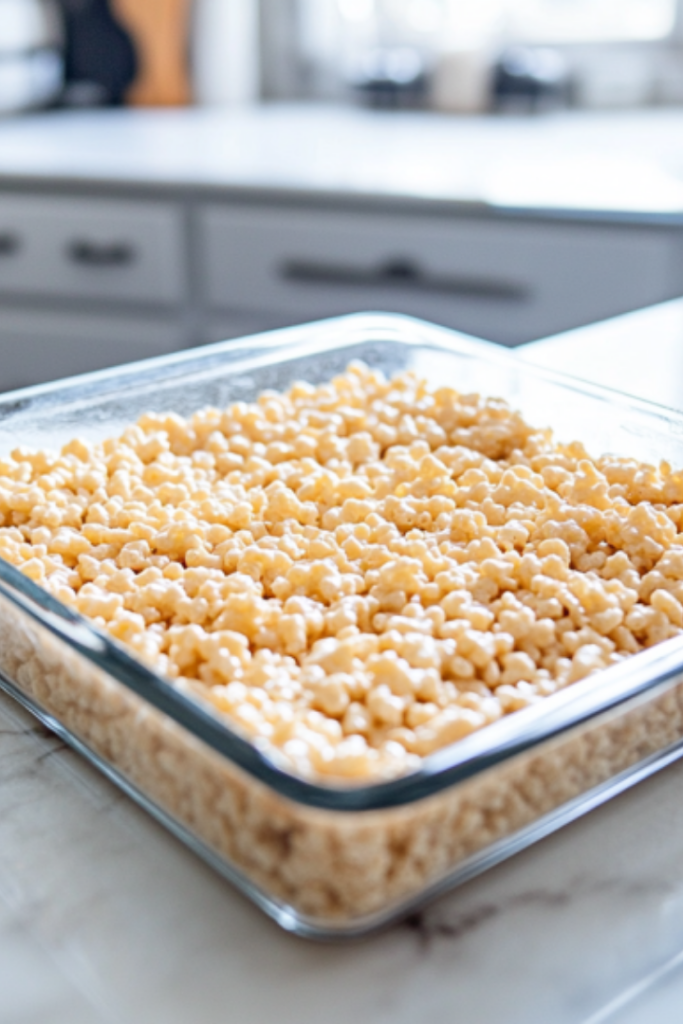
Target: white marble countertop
600	166
640	353
104	917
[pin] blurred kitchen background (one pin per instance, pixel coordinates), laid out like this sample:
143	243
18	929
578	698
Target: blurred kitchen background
176	172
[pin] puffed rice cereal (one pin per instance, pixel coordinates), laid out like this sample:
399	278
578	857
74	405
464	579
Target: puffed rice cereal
355	574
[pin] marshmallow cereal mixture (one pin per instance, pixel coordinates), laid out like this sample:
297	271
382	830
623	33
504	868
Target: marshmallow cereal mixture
359	573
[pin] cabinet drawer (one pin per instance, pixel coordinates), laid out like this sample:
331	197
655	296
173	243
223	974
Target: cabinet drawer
240	324
39	346
508	281
91	249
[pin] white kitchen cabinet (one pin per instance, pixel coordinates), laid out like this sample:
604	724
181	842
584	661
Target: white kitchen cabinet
40	346
95	280
509	281
92	249
224	326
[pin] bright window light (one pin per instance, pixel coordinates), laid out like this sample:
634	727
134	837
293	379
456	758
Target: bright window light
424	15
356	10
549	21
587	20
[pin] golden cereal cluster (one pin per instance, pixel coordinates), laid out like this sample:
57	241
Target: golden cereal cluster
356	574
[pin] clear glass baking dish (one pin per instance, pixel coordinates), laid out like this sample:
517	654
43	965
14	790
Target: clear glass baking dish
324	860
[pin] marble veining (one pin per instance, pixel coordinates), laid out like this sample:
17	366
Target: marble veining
430	926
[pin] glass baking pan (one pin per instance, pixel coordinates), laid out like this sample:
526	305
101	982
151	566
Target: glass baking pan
326	860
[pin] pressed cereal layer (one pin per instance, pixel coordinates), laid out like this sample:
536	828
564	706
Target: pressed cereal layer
355	574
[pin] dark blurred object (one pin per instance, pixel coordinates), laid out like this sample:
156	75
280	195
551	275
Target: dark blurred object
530	79
100	56
31	59
391	78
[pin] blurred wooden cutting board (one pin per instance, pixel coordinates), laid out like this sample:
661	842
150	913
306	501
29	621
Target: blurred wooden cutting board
160	30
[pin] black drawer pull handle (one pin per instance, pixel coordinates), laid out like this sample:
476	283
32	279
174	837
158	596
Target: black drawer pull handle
101	254
9	244
402	273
